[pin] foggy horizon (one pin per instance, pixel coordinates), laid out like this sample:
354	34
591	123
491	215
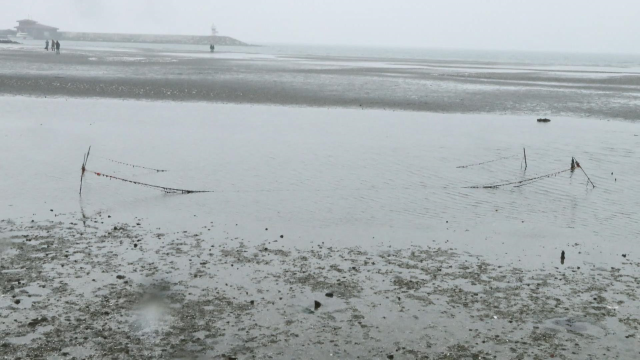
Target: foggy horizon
572	26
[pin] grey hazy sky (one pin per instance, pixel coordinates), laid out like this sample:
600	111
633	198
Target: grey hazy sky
560	25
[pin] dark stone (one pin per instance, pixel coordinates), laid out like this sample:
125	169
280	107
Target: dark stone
135	245
544	120
562	258
316	305
253	302
37	321
281	236
390	357
16	301
624	255
120	277
329	294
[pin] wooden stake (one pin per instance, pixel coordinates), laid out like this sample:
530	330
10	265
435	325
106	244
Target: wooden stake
84	167
525	158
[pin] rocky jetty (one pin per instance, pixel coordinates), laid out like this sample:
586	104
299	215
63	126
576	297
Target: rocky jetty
149	38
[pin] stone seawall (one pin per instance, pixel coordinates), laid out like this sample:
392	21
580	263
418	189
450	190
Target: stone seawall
148	38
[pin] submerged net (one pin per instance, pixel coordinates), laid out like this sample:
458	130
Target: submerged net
487	162
165	189
134	166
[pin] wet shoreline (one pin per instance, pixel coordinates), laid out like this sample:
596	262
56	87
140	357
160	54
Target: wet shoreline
125	291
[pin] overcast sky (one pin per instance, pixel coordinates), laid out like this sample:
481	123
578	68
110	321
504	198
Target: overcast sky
557	25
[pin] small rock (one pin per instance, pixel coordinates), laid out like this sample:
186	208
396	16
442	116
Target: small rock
120	277
252	302
624	255
329	294
316	305
51	210
281	236
135	245
390	357
37	321
17	301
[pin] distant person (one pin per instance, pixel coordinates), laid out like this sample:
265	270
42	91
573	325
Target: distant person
212	48
46	45
57	47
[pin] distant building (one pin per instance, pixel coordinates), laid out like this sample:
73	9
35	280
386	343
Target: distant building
36	30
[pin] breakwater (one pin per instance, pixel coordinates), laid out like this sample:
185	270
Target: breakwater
150	38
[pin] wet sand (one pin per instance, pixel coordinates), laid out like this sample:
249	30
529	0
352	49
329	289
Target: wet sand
418	85
106	289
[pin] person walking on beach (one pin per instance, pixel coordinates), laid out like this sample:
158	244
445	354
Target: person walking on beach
46	45
212	48
57	47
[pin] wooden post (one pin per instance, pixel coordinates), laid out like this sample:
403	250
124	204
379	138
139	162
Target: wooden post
525	158
84	167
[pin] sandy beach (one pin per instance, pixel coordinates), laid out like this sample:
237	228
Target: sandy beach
340	222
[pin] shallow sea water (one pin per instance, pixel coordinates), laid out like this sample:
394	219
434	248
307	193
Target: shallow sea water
375	179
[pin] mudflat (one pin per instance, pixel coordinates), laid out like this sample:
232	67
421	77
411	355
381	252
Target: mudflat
334	228
395	84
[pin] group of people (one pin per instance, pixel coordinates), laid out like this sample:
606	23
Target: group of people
55	46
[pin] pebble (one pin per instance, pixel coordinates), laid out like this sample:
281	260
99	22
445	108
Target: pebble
120	277
329	294
17	301
316	305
